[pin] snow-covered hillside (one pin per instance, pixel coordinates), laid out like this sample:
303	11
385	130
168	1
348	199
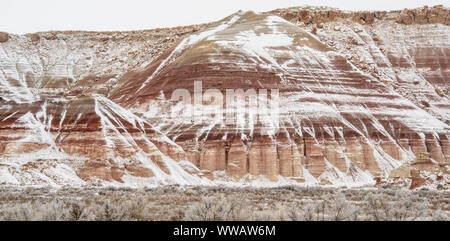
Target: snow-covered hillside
356	101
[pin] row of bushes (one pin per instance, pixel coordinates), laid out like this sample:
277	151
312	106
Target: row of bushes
221	203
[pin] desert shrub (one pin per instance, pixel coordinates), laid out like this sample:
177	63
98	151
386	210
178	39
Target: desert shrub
76	211
107	211
136	209
294	213
16	212
402	206
216	208
341	209
32	211
439	216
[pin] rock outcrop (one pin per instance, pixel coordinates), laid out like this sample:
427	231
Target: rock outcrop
319	15
359	93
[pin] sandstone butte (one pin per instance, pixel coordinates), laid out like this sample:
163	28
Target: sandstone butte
363	101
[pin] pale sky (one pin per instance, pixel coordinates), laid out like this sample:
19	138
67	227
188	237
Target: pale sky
26	16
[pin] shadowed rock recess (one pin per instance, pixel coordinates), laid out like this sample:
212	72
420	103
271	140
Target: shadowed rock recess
363	100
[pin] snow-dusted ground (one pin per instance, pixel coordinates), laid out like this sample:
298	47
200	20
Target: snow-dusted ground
222	203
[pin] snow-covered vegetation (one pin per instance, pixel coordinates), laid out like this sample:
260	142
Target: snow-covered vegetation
222	203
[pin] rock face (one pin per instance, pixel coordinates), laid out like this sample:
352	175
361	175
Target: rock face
319	15
350	87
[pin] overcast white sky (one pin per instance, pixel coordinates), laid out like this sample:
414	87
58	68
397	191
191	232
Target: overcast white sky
25	16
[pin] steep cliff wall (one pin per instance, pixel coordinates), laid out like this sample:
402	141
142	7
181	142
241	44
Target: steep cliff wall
360	94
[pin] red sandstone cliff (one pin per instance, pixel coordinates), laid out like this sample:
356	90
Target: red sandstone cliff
361	94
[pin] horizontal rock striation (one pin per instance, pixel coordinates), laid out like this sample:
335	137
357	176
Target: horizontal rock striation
360	94
346	123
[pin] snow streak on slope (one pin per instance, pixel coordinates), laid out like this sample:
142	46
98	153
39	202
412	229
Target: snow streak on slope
48	163
114	129
41	163
322	94
339	123
188	42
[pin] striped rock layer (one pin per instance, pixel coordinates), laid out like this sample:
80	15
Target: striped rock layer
357	99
